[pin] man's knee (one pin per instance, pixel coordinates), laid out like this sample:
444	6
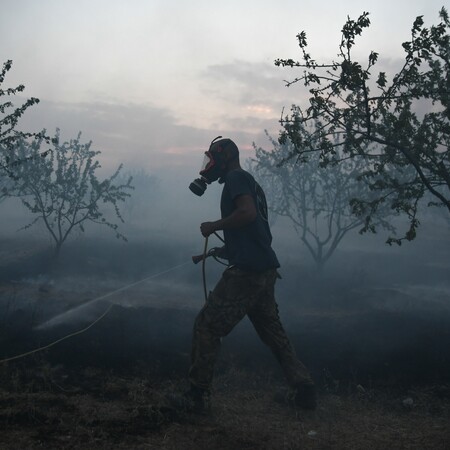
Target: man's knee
201	324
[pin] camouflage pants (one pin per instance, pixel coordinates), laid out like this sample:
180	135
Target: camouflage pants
237	294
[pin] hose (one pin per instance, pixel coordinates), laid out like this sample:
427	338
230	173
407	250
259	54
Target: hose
205	255
105	313
205	251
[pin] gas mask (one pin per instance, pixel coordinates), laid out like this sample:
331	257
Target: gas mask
214	164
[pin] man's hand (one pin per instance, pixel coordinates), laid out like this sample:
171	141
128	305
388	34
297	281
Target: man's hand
207	228
244	214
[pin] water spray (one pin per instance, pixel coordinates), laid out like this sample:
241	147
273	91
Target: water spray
58	318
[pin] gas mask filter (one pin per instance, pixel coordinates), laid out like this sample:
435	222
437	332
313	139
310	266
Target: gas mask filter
198	186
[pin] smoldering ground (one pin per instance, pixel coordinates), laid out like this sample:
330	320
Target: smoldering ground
375	322
371	313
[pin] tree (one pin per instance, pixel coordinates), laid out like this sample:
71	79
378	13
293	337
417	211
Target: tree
9	136
146	189
315	199
385	127
63	190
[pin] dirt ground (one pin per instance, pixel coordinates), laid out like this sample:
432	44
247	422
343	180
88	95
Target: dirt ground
53	408
380	355
105	389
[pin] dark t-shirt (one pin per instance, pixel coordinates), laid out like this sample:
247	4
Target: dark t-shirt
249	247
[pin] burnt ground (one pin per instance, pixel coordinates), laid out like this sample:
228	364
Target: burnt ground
380	353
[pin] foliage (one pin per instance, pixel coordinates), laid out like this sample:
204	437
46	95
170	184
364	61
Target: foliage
63	190
146	188
315	199
9	135
387	126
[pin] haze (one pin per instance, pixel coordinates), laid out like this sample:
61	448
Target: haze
153	82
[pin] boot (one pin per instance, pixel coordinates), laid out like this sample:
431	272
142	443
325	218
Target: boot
195	400
302	396
305	396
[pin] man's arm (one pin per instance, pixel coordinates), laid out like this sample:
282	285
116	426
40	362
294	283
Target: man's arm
244	214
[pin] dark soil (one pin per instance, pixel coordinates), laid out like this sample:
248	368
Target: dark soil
380	357
106	388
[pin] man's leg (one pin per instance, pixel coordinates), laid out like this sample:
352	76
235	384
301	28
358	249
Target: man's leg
266	320
227	304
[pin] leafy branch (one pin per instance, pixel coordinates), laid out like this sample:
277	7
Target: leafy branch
383	125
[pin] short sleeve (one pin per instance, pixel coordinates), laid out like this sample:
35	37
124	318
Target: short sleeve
237	184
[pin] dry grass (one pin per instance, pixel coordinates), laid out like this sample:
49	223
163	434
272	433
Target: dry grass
96	409
71	406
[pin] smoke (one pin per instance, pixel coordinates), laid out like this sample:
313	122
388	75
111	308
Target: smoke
151	290
128	296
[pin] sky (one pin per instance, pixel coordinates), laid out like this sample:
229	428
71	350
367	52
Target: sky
152	82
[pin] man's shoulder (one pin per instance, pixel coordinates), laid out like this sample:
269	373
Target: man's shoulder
238	176
238	182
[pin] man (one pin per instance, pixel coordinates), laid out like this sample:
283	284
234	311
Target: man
247	285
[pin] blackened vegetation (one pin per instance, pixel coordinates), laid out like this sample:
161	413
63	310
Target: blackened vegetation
380	353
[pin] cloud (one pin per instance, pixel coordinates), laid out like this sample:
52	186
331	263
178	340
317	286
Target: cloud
139	135
253	95
238	100
247	83
142	136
